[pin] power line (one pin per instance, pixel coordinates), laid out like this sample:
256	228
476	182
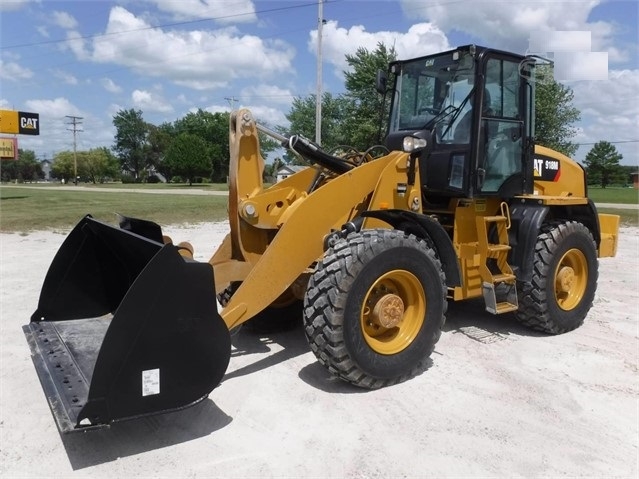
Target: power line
163	25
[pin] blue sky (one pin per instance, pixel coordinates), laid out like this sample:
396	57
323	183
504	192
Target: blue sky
168	57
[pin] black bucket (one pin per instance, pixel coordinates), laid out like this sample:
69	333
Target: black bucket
125	327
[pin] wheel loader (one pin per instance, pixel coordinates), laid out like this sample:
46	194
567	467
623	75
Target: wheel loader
365	248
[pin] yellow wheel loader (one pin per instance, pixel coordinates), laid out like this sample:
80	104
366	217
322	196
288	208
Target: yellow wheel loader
366	248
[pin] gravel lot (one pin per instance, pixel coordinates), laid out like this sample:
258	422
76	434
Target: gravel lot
497	400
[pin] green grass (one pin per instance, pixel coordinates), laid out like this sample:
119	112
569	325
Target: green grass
140	186
614	195
29	209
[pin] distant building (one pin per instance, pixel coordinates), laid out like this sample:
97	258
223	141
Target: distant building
635	180
46	169
288	170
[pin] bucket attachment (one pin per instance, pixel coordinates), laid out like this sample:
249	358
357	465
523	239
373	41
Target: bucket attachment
125	327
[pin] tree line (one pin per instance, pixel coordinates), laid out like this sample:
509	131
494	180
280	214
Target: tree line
195	147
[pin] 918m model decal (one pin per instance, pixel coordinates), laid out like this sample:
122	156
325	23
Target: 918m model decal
547	169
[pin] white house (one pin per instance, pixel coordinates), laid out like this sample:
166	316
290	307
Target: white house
288	170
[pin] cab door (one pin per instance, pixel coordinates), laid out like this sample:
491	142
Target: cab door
500	135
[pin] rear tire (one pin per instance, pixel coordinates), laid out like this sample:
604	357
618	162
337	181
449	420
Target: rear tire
564	281
375	306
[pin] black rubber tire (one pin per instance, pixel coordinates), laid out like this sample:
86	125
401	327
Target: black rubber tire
539	307
272	319
343	281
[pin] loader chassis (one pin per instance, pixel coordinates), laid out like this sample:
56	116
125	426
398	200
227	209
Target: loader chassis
366	251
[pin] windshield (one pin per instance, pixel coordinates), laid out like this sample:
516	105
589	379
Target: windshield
432	91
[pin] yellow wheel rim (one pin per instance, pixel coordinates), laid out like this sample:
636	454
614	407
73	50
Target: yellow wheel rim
571	279
393	312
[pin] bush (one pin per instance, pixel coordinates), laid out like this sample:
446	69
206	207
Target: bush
129	179
153	179
177	179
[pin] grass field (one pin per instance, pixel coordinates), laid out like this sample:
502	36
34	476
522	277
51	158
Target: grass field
614	195
28	209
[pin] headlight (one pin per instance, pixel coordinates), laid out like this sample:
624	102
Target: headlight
411	143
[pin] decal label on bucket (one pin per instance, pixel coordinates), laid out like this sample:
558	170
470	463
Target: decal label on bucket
150	382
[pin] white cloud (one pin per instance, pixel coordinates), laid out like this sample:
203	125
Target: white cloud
212	109
13	5
14	72
110	86
268	115
77	45
65	77
602	116
42	30
64	20
420	39
267	94
508	25
150	102
196	59
57	108
223	11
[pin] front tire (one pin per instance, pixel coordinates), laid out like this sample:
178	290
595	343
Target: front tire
375	306
564	281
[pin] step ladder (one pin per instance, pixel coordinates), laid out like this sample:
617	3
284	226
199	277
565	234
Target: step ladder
499	284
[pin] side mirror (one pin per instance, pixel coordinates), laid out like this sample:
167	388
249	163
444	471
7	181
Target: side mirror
381	81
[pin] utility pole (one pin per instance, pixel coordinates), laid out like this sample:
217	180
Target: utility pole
232	100
75	122
318	94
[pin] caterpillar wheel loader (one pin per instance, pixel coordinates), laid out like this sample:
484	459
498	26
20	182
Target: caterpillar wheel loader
366	248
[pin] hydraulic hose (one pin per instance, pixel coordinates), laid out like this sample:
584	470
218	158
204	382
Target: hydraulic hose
309	151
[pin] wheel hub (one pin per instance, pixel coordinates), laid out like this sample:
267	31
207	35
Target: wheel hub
565	279
388	311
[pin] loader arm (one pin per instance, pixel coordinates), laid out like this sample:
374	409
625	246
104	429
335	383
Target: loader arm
278	233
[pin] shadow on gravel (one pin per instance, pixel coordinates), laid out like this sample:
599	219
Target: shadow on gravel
128	438
247	342
471	318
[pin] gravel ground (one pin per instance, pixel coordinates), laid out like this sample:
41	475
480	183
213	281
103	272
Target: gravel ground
497	400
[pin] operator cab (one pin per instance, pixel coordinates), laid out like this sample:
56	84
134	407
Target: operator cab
473	105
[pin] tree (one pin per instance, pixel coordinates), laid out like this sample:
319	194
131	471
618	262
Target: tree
100	165
131	140
602	164
95	165
302	119
25	168
365	105
189	156
158	142
352	118
554	114
213	129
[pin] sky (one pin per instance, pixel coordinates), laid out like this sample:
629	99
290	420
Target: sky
93	58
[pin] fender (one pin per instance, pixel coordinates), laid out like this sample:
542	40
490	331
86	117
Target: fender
527	219
424	227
